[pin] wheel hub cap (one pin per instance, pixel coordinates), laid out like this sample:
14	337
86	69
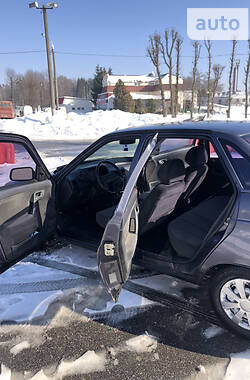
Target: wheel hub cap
245	305
235	301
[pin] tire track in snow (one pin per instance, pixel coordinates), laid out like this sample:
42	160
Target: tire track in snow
45	286
149	293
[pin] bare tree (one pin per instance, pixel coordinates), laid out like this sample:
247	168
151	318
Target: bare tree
217	74
201	88
246	80
208	46
197	49
11	81
167	46
66	86
153	51
178	45
234	43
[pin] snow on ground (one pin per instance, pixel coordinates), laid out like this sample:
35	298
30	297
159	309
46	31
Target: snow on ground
165	284
28	291
213	331
92	125
54	162
74	255
239	366
237	113
73	126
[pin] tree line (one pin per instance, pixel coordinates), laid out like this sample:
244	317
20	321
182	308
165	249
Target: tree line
164	51
161	48
32	88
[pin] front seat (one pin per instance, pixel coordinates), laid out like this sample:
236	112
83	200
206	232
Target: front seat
160	202
196	172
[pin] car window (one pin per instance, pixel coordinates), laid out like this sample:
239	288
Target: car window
170	144
240	163
247	138
13	156
114	149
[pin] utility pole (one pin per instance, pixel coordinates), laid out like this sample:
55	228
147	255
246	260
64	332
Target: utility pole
44	9
52	92
55	76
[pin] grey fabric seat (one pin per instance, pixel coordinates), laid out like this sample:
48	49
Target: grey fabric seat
162	200
187	232
196	172
158	203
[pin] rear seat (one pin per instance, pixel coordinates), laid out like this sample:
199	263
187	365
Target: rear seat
187	232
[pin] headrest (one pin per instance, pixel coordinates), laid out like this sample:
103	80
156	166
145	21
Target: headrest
171	171
197	156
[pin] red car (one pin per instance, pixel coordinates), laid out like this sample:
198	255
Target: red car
6	110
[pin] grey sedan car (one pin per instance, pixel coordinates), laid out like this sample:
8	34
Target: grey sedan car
172	198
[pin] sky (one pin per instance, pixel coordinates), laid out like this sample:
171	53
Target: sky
100	32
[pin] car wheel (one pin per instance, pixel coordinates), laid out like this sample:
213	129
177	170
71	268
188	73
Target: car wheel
230	294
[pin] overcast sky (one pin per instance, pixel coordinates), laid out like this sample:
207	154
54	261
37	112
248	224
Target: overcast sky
111	27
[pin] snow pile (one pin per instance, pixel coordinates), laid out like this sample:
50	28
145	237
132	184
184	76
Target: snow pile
92	125
239	366
73	126
88	363
237	113
142	343
213	331
20	347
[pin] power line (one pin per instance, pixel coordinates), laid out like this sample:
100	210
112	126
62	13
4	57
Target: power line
22	52
110	55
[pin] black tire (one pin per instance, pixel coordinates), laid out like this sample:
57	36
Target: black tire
218	281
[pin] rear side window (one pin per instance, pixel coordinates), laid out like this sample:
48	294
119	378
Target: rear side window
13	155
240	163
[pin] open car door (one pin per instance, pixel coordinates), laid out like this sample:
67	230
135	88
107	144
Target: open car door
27	211
119	240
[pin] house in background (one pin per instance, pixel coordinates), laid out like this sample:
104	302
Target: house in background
73	104
238	98
142	87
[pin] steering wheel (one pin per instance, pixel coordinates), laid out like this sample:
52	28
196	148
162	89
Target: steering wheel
109	177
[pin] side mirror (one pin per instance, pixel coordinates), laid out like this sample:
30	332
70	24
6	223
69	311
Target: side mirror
22	174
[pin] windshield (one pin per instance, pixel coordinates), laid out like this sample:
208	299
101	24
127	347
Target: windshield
114	149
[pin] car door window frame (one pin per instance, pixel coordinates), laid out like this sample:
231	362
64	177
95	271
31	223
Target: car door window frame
41	172
240	180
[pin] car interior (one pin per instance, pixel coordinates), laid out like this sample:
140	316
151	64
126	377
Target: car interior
185	195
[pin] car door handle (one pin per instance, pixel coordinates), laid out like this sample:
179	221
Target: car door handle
38	195
35	198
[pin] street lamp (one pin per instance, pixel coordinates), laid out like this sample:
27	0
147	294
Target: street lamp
44	9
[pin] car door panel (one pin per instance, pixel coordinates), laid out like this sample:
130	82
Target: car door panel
119	240
27	208
23	215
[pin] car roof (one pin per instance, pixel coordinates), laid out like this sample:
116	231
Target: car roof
230	128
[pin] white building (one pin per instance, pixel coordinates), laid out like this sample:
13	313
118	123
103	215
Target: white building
73	104
238	98
139	86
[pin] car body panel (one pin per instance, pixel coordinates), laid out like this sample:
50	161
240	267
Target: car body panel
235	248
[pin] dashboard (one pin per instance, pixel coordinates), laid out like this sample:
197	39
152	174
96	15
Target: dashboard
80	188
